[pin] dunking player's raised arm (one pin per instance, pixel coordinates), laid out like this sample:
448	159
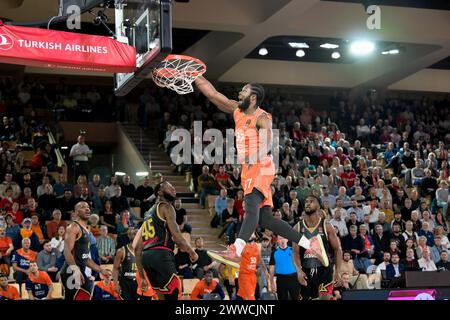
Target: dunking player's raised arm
220	100
168	213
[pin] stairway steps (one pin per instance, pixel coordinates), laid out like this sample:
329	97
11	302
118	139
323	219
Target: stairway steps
190	200
185	194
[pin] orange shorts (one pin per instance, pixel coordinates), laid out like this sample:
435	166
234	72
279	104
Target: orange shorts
260	176
247	286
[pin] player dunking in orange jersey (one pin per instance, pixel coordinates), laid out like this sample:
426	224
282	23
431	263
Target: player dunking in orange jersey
253	140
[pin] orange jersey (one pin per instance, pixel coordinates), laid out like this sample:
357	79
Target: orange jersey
41	278
260	173
105	292
201	288
247	134
250	259
37	229
4	245
11	293
247	272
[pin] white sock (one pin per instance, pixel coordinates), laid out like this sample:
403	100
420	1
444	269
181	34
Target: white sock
239	245
304	242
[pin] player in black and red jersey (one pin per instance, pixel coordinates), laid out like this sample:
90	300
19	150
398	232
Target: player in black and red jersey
157	238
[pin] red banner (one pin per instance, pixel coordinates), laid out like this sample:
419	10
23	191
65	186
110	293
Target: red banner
64	50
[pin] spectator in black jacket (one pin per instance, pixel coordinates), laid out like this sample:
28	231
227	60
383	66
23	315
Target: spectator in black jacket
204	262
410	262
128	190
144	193
354	243
443	264
118	201
381	242
66	204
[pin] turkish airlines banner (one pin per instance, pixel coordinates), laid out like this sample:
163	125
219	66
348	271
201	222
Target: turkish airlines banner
64	50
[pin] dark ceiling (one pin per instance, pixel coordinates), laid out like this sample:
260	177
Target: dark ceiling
443	64
279	49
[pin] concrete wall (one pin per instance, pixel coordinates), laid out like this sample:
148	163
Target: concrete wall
97	132
120	154
127	157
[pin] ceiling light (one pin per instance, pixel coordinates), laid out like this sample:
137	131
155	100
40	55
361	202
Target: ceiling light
64	147
300	53
329	46
335	55
263	51
142	173
393	51
361	48
299	45
118	173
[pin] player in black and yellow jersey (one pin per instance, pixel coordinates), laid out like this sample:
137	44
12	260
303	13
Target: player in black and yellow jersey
77	257
315	266
124	269
156	241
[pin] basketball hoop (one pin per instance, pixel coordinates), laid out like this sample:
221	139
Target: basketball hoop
177	72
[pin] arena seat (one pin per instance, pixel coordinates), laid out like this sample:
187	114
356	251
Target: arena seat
24	292
12	145
57	291
189	285
28	155
136	211
54	175
211	204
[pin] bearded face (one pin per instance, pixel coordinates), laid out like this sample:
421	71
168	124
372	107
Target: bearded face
244	104
168	196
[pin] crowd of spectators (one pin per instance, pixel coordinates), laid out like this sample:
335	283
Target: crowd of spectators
380	169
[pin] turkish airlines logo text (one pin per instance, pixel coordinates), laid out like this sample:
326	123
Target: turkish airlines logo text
6	42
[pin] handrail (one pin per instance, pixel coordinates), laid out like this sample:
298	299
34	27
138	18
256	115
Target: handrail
52	140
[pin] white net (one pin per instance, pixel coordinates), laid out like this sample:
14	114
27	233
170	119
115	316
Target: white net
178	72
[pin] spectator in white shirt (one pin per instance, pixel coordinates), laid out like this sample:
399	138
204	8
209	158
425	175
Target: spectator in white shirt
426	218
80	153
57	242
372	211
426	263
376	280
339	223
